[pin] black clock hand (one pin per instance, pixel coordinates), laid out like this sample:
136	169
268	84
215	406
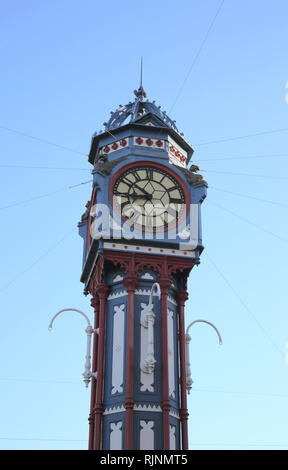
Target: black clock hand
135	195
141	189
141	196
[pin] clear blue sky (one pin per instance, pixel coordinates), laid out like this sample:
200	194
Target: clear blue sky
65	66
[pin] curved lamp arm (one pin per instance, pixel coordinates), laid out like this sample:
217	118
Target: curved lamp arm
147	321
89	331
189	380
158	291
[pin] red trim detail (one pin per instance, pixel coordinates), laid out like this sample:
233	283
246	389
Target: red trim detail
95	305
102	290
130	282
165	283
182	296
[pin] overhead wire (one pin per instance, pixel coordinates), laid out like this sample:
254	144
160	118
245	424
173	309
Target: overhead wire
28	167
39	139
248	310
37	260
236	392
197	54
240	137
248	196
275	155
43	77
285	240
44	195
254	175
70	382
69	149
40	439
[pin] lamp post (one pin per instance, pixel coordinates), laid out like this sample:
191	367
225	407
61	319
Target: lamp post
189	380
87	374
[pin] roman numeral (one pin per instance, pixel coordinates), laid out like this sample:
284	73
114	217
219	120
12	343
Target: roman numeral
176	200
172	189
149	172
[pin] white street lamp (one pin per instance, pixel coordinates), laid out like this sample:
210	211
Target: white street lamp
89	331
189	380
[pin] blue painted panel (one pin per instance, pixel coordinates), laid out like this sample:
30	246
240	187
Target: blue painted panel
82	229
156	395
175	402
115	398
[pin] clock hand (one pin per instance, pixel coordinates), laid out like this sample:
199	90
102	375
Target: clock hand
135	195
141	189
141	196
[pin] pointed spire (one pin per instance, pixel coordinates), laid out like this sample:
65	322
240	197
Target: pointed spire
140	93
141	72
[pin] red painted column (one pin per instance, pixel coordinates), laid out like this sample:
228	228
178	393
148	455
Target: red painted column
165	284
102	291
91	419
182	296
130	283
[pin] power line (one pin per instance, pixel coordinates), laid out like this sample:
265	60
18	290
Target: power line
39	139
43	77
53	247
235	392
47	81
70	382
245	306
275	155
248	221
249	197
230	139
43	195
197	54
69	149
4	379
40	439
27	167
246	174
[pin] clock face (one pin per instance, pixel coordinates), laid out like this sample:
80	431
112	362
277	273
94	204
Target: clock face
149	197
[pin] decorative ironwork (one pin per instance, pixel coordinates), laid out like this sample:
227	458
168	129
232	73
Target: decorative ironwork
133	111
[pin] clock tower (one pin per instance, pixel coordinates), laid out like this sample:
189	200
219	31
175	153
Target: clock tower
142	236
